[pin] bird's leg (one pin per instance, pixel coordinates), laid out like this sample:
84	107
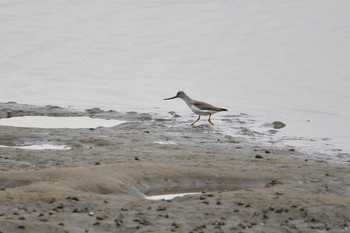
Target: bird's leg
199	117
210	120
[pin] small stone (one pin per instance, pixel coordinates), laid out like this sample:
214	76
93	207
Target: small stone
161	208
118	222
267	152
273	183
21	227
278	125
258	157
137	158
61	224
99	218
280	210
91	213
72	198
96	224
97	163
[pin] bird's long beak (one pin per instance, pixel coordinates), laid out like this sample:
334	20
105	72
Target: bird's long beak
171	98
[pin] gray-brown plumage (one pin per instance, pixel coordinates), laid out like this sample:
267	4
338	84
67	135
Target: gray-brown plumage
198	107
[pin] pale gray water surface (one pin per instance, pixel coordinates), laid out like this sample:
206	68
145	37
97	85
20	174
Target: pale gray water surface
275	60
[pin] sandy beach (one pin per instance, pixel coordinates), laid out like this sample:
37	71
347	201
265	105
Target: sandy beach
100	184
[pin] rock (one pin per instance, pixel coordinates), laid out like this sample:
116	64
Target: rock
258	157
273	183
94	110
278	125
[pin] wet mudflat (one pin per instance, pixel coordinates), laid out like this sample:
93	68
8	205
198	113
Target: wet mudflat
101	183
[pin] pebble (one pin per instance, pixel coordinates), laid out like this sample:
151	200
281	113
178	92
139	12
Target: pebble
118	222
161	208
258	157
91	213
72	198
278	124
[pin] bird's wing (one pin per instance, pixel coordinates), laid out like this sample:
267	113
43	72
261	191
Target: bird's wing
206	106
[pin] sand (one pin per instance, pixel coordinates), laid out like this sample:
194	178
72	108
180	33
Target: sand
100	184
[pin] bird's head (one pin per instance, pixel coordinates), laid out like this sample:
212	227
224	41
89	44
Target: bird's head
180	94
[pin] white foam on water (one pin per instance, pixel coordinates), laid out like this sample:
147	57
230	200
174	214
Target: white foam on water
40	147
58	122
168	196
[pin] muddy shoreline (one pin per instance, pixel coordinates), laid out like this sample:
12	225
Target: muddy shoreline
99	184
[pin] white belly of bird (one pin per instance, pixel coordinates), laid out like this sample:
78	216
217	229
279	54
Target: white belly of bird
201	112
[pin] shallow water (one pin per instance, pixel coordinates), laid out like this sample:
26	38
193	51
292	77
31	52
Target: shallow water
275	60
168	196
39	147
58	122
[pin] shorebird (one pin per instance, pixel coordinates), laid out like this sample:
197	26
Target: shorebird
198	107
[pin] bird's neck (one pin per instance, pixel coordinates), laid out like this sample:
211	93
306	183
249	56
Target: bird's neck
187	99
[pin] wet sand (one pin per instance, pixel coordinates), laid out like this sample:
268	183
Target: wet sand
100	184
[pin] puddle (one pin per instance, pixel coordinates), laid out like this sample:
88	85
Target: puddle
168	196
165	142
39	147
58	122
